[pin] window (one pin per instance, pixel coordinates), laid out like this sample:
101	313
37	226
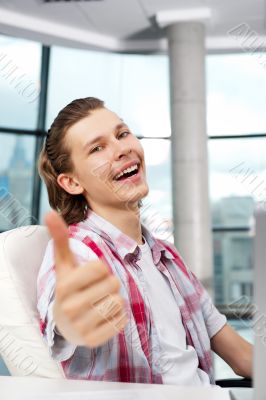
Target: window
242	251
157	207
237	185
237	168
16	180
20	62
237	179
232	266
127	83
236	94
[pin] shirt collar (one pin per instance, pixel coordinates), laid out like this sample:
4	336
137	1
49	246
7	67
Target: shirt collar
123	244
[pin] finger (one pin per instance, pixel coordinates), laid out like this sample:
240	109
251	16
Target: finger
96	317
104	332
59	232
83	278
82	300
110	305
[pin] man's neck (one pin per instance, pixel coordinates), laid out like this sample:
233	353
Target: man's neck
125	220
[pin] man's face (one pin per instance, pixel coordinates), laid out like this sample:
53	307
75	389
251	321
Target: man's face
102	147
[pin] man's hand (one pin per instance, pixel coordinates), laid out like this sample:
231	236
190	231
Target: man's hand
88	308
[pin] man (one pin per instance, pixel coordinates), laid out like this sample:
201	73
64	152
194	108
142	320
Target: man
119	305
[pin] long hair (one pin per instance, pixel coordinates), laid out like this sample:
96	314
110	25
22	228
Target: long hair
55	159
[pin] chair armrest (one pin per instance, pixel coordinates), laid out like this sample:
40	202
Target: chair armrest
234	382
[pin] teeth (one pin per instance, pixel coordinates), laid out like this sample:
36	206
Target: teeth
126	171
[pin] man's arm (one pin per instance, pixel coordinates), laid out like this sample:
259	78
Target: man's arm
234	350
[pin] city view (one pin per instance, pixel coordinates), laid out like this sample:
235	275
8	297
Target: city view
16	189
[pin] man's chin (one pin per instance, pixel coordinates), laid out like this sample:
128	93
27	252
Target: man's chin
136	202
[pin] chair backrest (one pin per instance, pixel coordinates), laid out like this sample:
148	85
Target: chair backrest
21	344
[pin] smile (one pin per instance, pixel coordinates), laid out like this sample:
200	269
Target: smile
128	173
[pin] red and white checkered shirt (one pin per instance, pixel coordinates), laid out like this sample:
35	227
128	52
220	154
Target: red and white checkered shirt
133	355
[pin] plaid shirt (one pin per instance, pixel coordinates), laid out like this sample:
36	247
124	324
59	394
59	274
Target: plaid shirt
133	355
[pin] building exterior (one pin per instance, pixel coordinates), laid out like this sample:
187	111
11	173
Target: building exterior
233	265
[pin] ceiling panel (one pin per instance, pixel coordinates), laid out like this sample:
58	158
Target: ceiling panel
119	17
65	13
225	17
239	10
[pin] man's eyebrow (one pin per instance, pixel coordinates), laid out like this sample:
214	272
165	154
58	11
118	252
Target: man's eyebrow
100	137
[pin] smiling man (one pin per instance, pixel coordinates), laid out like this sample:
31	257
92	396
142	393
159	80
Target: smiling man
115	302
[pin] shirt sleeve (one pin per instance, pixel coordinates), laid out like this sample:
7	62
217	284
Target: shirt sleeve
59	348
214	320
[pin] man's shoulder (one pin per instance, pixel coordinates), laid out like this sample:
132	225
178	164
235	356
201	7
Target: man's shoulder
81	232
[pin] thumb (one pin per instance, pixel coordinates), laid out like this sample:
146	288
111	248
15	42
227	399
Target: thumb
58	230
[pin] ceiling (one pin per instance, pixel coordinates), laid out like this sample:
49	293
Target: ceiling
127	25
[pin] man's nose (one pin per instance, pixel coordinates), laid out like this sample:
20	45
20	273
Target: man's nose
121	149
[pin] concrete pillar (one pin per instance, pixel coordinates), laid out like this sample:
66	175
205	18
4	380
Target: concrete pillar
191	209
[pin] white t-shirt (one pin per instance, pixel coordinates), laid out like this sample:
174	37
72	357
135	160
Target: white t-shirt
179	361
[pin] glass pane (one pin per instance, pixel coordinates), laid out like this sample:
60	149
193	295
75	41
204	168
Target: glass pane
157	206
233	286
16	180
20	62
128	84
87	73
3	369
237	180
145	95
236	94
233	269
44	203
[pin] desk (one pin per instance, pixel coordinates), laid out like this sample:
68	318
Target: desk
12	388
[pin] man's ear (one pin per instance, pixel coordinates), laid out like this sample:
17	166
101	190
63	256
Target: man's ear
69	184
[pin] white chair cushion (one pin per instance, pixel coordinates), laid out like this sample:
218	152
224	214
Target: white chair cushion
21	344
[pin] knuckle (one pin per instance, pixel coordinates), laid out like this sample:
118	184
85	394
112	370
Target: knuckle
60	291
97	265
81	328
69	309
91	269
114	283
103	268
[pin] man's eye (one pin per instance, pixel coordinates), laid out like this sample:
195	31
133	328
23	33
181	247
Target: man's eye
95	149
124	134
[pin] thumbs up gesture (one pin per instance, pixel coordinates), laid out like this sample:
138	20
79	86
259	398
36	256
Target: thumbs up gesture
88	309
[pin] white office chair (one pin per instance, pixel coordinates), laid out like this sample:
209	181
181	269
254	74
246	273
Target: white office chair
21	345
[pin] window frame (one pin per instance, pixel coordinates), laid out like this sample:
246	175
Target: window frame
39	133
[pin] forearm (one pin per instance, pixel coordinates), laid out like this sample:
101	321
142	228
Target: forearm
234	350
243	365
